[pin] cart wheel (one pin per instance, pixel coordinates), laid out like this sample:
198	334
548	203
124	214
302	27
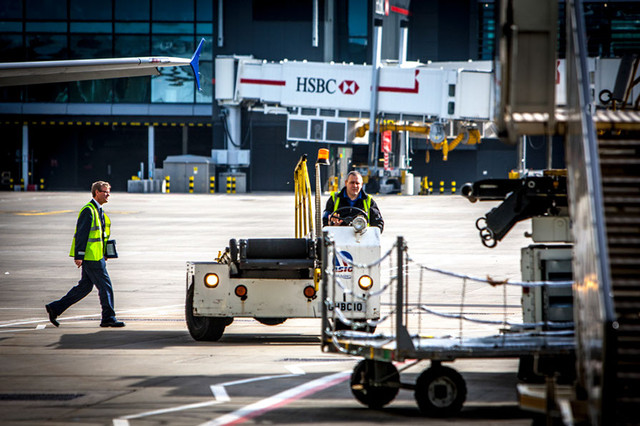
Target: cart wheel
203	328
440	391
341	326
375	383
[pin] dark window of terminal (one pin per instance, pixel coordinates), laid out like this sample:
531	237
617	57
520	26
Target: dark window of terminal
10	9
46	9
90	10
172	10
283	10
132	10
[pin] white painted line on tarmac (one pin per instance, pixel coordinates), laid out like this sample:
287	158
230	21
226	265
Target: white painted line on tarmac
279	400
124	420
83	317
219	393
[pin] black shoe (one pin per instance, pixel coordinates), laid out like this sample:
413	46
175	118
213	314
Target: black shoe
52	316
112	324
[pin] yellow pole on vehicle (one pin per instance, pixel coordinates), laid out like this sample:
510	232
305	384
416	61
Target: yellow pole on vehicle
302	188
323	159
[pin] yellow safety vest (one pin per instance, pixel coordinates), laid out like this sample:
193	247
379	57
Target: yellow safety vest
97	241
366	203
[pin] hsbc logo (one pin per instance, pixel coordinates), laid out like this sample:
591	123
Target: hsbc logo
349	87
321	85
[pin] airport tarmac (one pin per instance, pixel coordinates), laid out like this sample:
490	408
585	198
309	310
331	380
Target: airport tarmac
153	373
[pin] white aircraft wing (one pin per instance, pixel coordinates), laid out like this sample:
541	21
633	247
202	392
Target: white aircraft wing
21	73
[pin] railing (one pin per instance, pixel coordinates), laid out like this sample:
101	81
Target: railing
593	308
410	317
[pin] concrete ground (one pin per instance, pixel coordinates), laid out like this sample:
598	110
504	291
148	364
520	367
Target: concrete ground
152	372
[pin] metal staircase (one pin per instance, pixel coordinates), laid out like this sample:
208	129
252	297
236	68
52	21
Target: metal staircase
603	158
620	171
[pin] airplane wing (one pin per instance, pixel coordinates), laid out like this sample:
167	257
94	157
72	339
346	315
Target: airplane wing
21	73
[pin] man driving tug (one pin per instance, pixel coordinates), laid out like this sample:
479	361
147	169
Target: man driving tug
350	202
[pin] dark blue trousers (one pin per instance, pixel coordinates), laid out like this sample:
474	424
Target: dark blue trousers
93	273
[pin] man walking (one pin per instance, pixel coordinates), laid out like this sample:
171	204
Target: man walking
88	249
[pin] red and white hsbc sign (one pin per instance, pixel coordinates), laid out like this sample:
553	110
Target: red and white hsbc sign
325	85
418	90
306	84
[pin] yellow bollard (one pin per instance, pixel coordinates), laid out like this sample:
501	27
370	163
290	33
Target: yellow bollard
233	184
167	179
453	186
190	184
228	184
442	187
212	184
41	184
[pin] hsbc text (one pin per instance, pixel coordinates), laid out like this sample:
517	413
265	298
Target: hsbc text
316	85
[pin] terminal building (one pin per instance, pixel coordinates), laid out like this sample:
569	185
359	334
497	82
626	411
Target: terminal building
67	135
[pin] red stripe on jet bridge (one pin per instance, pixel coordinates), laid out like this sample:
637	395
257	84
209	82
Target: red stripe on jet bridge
400	10
263	82
413	89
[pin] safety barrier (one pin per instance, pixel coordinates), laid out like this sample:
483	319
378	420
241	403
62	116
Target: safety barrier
426	187
7	180
212	184
231	184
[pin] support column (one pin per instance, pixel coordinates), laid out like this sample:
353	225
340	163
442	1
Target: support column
185	140
404	36
403	160
314	24
329	12
151	163
234	135
375	67
220	23
25	156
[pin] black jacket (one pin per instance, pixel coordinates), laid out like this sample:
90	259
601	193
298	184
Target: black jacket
375	217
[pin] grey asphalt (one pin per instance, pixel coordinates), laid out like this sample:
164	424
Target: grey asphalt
152	372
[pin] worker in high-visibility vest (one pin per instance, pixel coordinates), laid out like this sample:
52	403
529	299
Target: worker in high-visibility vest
350	202
89	251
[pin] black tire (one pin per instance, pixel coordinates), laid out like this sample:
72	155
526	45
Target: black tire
270	321
440	391
341	326
207	329
375	383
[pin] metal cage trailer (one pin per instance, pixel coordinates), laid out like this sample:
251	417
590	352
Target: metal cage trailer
439	390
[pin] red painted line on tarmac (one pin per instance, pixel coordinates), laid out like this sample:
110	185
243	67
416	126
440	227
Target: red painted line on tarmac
279	400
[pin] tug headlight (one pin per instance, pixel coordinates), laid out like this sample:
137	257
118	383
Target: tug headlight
365	282
359	224
211	280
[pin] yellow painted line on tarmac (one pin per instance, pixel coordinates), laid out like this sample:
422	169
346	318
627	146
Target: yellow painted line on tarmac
35	213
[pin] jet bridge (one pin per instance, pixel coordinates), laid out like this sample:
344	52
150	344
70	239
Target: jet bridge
325	101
